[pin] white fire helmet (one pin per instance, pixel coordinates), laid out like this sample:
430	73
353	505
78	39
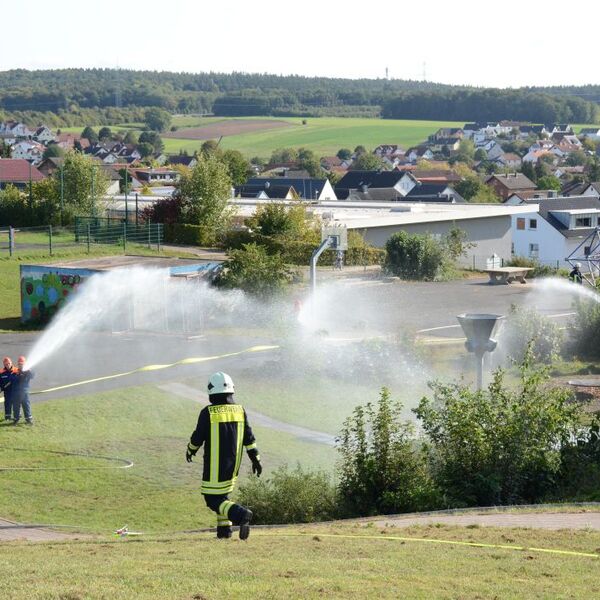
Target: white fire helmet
220	383
578	265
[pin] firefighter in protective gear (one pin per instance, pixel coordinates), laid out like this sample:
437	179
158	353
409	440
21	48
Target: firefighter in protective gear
575	275
8	378
224	430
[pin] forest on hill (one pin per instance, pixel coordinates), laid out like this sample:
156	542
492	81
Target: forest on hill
106	96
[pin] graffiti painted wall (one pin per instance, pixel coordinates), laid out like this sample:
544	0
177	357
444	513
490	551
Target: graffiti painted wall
44	289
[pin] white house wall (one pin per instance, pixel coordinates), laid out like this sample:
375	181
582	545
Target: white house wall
552	244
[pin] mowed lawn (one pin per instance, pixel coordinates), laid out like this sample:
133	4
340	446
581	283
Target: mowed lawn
313	562
144	424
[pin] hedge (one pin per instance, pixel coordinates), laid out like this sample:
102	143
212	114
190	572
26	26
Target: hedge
191	235
299	253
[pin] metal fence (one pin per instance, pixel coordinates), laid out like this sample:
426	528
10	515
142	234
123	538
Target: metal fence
480	262
86	234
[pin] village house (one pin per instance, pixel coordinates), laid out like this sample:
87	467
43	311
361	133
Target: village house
28	150
43	135
554	228
506	184
18	172
419	153
308	188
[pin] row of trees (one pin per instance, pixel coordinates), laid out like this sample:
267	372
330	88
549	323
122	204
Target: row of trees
263	94
490	105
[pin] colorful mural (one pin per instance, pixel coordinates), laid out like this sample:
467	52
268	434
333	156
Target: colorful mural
45	289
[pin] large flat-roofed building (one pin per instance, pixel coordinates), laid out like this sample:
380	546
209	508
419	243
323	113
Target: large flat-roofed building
488	226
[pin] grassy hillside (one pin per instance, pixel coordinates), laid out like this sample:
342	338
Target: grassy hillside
322	563
142	424
324	135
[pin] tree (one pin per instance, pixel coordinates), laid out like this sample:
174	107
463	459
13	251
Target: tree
360	150
500	445
145	149
578	157
480	154
283	155
131	137
274	219
151	137
528	170
157	119
382	469
549	182
367	162
588	144
209	148
237	165
344	153
255	271
469	187
53	151
594	169
414	256
457	242
89	134
204	192
465	152
104	134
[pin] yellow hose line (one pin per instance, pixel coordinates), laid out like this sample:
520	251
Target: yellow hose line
435	541
184	361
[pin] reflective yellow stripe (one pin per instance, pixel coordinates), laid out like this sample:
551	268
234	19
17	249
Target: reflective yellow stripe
251	447
239	447
192	447
213	476
224	507
226	413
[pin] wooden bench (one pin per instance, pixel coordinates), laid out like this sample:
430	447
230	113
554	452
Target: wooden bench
507	275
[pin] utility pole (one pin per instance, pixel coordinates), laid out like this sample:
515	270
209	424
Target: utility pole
30	190
62	192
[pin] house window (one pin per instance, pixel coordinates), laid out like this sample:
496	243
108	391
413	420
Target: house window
534	250
520	223
532	223
583	222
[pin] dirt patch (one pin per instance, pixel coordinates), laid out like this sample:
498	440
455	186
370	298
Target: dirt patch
214	131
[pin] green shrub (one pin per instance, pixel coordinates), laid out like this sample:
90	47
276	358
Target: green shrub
290	497
255	271
527	328
500	445
190	235
585	329
539	270
382	469
414	256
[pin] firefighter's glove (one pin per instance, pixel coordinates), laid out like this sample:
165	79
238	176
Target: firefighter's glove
256	466
190	452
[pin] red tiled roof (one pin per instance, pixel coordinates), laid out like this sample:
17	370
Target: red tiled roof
16	170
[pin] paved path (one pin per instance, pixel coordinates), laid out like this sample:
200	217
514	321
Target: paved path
255	418
10	531
580	520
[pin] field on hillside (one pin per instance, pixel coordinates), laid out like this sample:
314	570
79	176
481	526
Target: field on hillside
144	424
335	562
325	136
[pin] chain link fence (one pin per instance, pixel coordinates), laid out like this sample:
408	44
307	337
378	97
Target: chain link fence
87	234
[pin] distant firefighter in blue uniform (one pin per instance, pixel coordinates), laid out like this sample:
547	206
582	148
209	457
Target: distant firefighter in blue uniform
224	431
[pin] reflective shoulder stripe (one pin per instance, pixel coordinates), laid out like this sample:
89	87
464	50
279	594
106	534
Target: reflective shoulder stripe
226	413
192	447
250	446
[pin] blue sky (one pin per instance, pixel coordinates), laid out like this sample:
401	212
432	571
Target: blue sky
506	43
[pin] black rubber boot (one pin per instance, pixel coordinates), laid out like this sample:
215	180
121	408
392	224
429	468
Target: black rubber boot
245	524
223	532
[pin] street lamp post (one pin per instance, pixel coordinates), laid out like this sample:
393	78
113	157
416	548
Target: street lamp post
126	207
62	192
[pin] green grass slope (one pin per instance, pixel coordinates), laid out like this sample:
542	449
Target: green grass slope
324	135
328	563
142	424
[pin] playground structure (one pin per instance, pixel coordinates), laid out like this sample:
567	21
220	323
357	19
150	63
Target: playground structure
333	236
587	254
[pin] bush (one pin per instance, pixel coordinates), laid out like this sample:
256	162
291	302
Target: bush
382	469
585	329
290	497
417	256
190	235
501	445
527	328
255	271
539	270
